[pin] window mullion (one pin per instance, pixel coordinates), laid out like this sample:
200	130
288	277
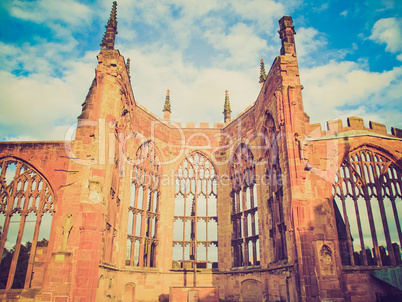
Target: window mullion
397	222
5	233
33	251
346	221
16	253
143	222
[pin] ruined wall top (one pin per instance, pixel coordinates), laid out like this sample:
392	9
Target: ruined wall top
355	127
286	34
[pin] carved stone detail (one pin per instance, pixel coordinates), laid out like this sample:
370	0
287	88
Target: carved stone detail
67	226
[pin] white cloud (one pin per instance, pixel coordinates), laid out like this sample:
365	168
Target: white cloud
239	47
261	11
56	78
197	95
41	58
309	40
43	11
388	31
343	89
43	107
312	48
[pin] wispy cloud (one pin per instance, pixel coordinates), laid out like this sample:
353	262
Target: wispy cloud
197	50
44	11
238	47
41	106
343	89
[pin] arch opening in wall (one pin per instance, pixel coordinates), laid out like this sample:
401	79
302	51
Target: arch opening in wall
26	212
251	290
143	210
274	184
244	216
195	238
367	202
129	292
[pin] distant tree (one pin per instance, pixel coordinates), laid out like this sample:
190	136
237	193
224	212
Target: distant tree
43	243
5	267
22	266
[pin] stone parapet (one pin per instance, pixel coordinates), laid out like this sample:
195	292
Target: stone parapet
355	125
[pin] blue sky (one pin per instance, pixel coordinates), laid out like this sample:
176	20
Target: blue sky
349	53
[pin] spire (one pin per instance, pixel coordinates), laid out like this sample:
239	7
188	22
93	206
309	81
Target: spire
286	34
128	68
263	75
111	30
226	108
166	109
167	102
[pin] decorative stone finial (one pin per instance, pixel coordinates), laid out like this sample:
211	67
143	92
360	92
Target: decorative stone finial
111	30
286	34
167	109
128	68
167	102
226	108
263	75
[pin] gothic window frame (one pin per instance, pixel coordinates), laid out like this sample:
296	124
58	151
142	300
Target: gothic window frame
28	192
196	176
244	214
273	178
143	210
367	175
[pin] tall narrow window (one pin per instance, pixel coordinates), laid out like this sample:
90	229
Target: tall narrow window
26	204
367	203
245	238
195	220
274	185
142	239
111	221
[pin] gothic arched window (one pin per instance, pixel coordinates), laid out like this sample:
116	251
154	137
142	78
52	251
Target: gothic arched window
274	184
143	210
195	236
26	204
245	238
367	203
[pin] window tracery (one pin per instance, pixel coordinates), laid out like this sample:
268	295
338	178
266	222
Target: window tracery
26	204
142	239
367	203
195	217
273	178
245	236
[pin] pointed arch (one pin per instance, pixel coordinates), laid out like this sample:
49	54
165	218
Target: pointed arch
245	235
195	217
129	292
242	169
367	200
143	210
25	194
274	183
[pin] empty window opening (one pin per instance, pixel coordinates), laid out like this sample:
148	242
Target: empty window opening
244	217
142	234
367	204
26	211
195	226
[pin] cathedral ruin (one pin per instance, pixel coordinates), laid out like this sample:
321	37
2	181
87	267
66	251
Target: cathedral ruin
262	207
